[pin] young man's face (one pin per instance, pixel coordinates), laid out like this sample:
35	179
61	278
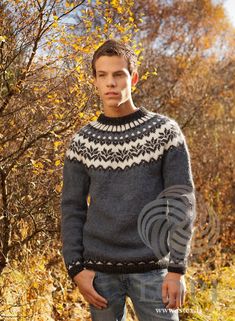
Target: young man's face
114	81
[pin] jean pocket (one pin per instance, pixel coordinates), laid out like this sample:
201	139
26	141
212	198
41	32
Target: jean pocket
149	285
100	275
159	272
96	275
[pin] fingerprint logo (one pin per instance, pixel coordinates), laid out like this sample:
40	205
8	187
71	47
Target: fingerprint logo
165	224
207	229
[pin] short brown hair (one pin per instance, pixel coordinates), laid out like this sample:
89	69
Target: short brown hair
115	48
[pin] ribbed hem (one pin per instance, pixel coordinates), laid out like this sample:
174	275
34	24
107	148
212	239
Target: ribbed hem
124	267
137	114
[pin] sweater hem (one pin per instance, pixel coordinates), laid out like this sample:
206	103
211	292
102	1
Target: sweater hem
124	267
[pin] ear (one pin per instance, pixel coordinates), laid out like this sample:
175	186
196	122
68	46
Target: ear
135	78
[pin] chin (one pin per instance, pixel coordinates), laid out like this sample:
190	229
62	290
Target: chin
113	105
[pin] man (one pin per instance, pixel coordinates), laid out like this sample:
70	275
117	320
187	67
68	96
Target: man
124	161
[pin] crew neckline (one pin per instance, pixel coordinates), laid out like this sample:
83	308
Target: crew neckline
121	120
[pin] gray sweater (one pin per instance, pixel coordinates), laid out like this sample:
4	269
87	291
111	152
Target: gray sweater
128	167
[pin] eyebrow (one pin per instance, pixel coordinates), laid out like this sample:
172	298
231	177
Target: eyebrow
115	72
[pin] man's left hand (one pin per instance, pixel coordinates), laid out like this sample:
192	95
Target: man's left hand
173	290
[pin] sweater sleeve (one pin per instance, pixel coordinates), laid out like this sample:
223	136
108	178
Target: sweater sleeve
180	192
73	209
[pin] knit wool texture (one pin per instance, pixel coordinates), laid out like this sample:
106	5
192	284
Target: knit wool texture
122	164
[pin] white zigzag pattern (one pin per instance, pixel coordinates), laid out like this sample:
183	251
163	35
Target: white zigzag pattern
121	128
123	149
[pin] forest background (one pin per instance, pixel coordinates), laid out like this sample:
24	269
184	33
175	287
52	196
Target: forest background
186	52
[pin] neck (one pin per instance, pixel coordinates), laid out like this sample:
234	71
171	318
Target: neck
138	115
123	109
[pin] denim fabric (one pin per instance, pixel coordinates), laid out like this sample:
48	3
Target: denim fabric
144	290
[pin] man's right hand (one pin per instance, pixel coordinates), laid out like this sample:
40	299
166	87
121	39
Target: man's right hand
84	281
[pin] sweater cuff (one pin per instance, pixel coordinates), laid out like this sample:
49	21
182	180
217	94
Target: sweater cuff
74	268
177	269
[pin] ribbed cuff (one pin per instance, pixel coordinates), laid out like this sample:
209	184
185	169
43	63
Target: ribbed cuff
178	269
74	271
74	268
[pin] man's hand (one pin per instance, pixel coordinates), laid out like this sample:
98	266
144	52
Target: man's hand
173	290
84	281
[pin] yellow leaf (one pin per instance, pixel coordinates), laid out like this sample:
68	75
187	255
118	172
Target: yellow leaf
137	52
55	24
63	41
57	162
36	164
35	285
24	231
59	116
56	144
120	9
76	47
3	38
144	77
58	188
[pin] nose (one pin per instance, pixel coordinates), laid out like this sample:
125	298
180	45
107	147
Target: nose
111	81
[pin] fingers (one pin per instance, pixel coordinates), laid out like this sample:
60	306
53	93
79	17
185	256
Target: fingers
172	300
178	300
96	299
85	284
92	297
165	293
173	294
183	294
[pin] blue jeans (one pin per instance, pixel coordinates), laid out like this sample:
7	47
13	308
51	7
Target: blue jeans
144	290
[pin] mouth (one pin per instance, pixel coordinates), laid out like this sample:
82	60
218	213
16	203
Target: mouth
111	93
